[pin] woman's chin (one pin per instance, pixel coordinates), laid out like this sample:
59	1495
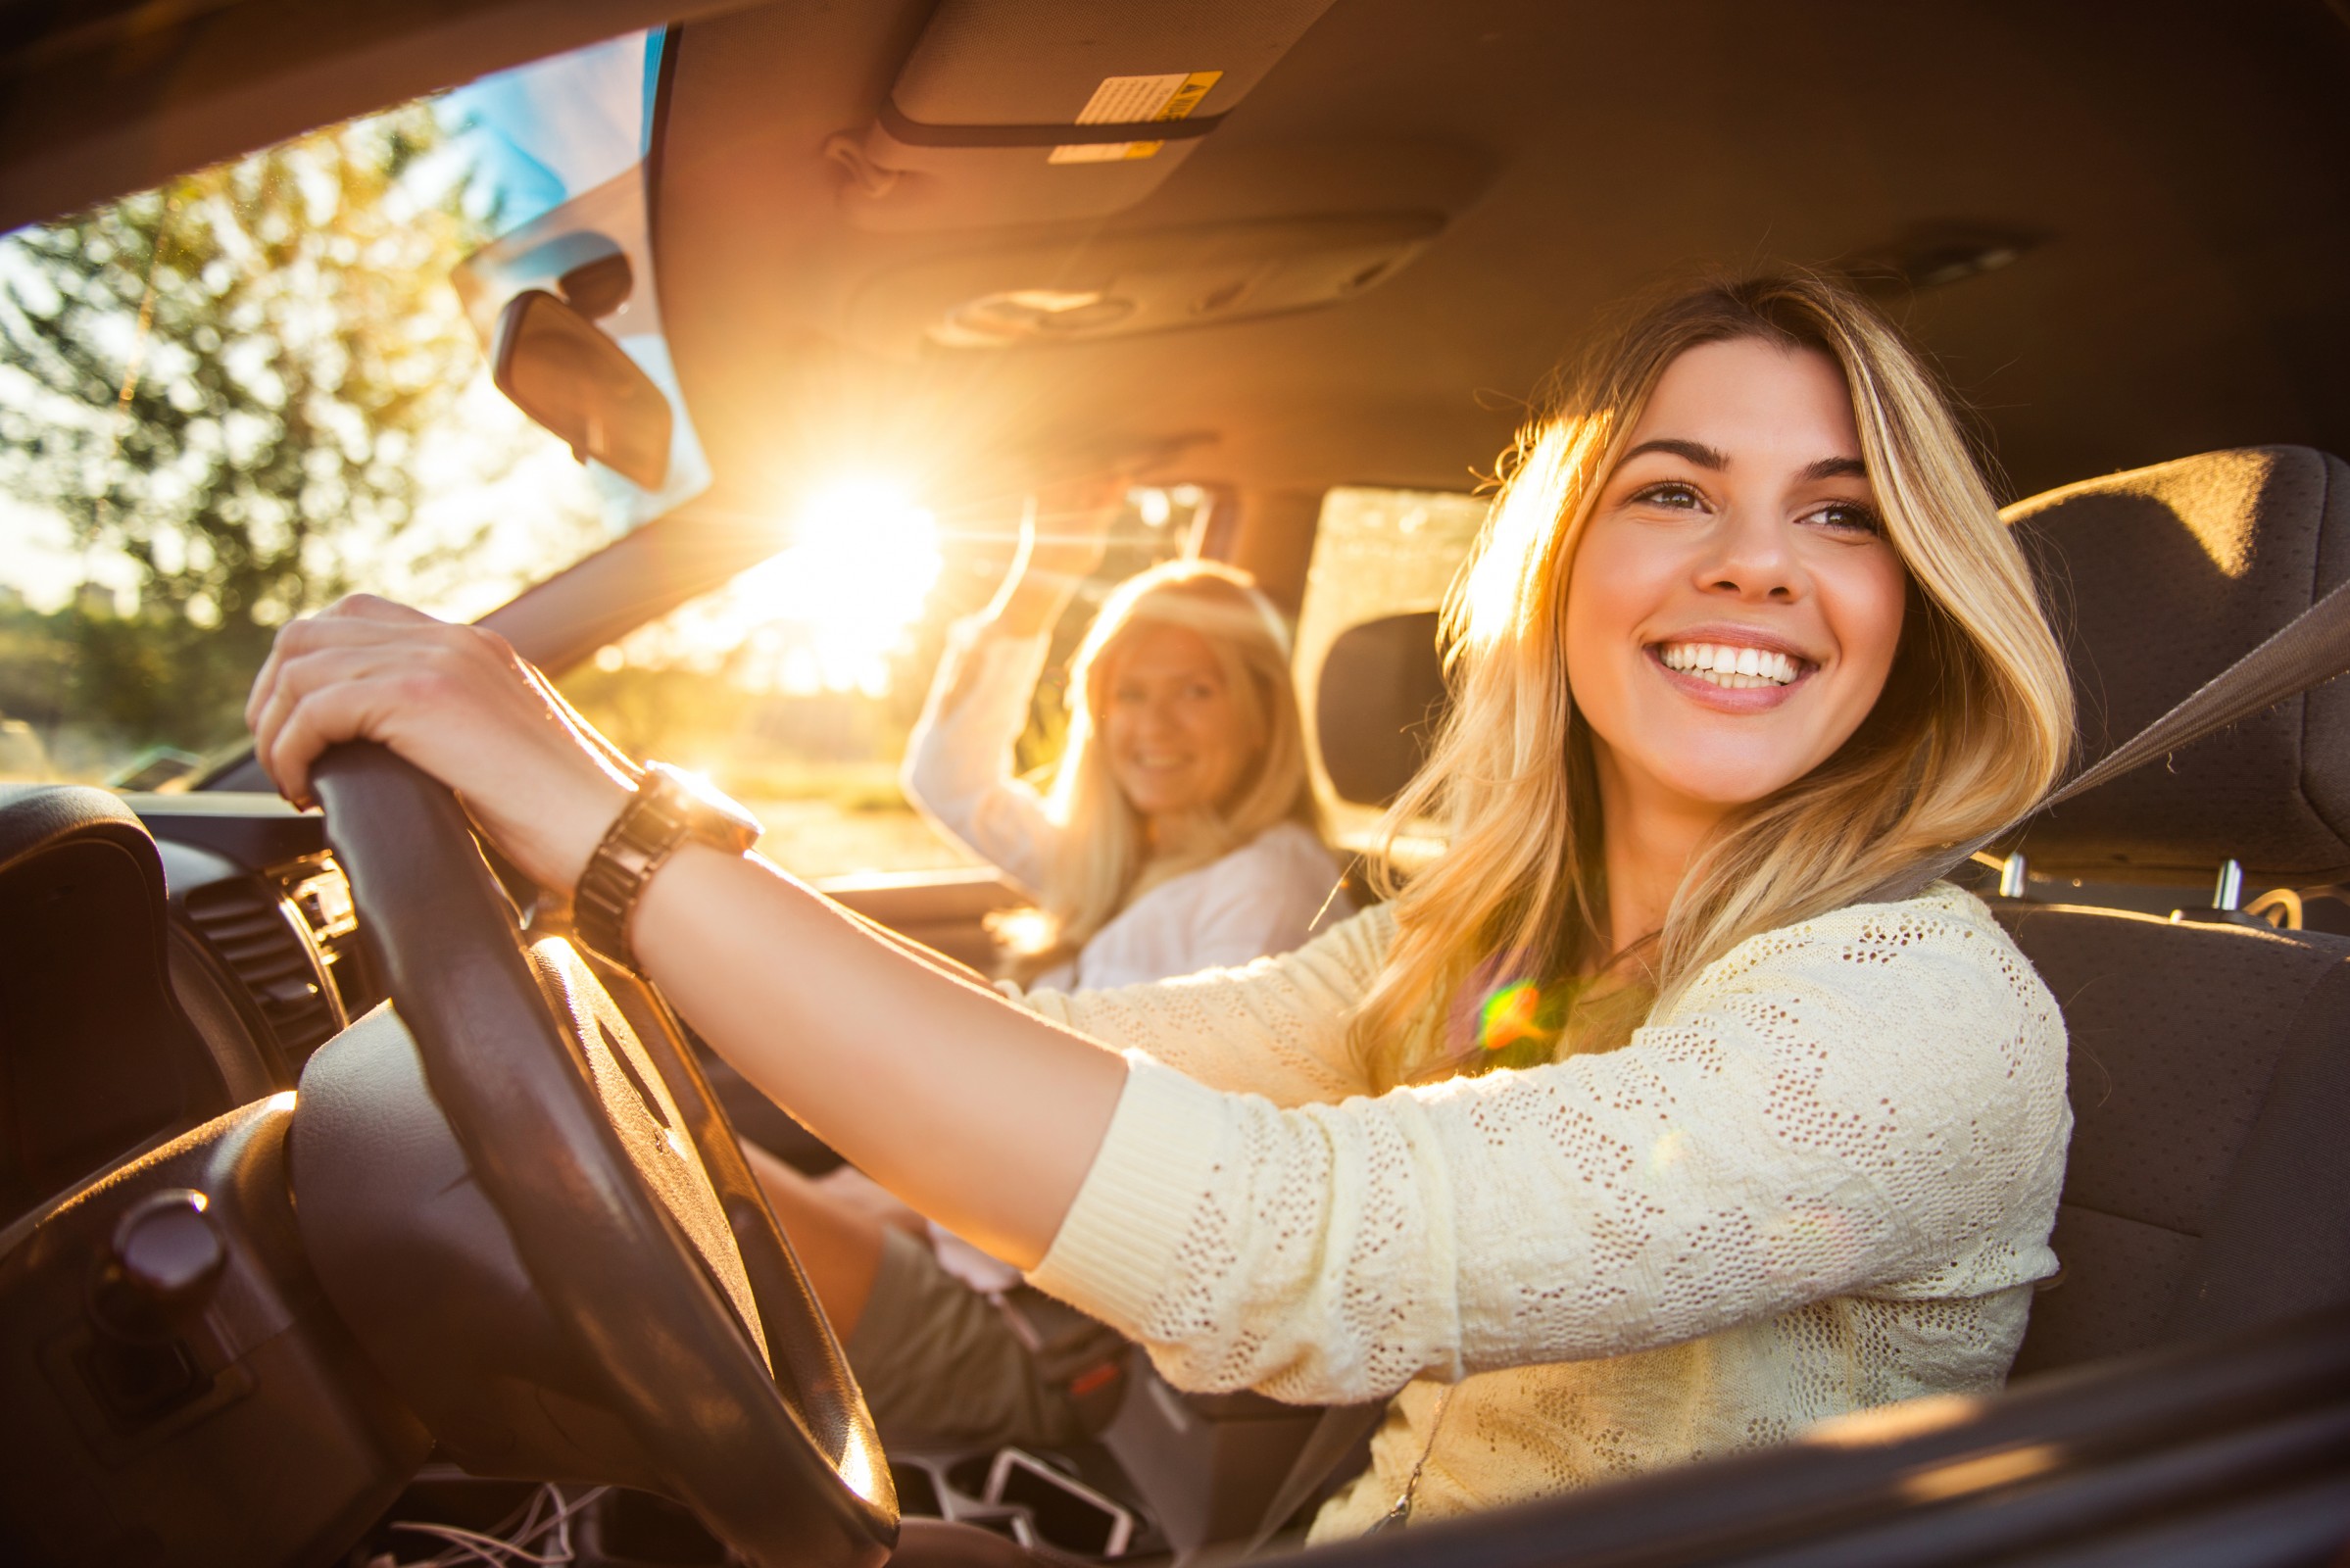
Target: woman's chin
1726	778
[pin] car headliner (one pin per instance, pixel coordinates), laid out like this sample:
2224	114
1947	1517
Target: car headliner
2180	165
2183	161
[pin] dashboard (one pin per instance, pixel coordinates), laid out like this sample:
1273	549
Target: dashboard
257	898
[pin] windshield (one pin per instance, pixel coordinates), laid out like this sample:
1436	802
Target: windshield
229	400
795	687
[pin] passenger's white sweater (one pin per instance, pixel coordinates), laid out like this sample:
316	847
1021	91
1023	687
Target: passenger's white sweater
1265	896
1823	1180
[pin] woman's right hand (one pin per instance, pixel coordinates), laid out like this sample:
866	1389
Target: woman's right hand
455	701
1066	528
1064	532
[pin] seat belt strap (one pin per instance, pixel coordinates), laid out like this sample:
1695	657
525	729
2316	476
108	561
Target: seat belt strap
1333	1438
2312	648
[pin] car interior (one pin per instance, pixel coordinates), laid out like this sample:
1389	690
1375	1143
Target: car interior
282	1268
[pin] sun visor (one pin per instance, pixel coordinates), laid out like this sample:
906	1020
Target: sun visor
1038	111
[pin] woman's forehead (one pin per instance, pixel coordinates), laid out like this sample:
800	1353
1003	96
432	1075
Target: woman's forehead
1152	648
1747	402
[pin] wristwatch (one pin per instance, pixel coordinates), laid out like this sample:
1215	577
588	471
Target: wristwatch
670	807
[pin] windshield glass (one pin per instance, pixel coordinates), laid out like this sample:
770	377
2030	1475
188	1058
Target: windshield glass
795	687
227	401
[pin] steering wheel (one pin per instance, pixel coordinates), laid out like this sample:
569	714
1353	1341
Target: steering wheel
705	1364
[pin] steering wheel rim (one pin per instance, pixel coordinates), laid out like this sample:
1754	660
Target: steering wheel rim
671	1293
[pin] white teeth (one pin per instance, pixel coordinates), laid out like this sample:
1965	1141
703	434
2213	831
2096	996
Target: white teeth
1737	667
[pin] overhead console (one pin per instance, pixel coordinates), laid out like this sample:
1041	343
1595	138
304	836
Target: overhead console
1045	111
1117	285
1017	127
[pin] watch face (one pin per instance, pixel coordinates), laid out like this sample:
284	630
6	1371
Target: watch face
715	817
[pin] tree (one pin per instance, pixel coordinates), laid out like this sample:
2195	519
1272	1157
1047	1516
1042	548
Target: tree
224	381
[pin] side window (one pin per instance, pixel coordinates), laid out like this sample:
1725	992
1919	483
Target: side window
1375	553
794	686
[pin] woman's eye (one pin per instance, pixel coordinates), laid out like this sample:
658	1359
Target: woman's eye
1672	494
1848	517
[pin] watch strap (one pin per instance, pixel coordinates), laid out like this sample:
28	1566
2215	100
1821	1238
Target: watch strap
665	812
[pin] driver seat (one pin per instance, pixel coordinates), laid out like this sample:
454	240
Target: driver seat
2205	1192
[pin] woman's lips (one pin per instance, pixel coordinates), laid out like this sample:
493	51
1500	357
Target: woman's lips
1696	688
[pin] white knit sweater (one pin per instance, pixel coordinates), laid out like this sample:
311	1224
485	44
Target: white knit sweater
1823	1180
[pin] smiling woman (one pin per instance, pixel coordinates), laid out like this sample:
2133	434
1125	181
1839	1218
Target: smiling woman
1749	468
1725	539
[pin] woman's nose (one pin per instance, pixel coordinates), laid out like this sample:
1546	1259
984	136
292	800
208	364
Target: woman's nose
1154	716
1750	555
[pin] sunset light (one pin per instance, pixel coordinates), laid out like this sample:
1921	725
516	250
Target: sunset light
826	612
866	561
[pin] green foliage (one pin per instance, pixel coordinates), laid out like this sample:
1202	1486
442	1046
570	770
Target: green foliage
222	382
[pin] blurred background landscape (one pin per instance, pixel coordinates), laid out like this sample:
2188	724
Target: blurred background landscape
229	401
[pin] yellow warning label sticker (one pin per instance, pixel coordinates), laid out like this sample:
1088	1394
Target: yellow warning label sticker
1124	100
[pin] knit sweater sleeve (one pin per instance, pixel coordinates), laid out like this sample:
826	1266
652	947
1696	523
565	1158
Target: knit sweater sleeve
1867	1103
1275	1028
959	760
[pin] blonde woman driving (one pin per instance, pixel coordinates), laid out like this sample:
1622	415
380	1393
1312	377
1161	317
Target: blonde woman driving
1180	832
1629	1131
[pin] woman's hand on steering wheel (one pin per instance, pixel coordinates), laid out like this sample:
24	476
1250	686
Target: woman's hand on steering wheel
458	703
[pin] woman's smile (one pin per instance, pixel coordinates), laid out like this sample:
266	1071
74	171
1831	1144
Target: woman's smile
1732	669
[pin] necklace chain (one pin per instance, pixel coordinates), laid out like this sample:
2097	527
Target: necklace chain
1397	1518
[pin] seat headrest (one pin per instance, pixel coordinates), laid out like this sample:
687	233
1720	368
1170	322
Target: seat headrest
1381	692
2157	580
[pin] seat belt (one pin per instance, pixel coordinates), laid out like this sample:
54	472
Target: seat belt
2309	650
2312	648
1333	1438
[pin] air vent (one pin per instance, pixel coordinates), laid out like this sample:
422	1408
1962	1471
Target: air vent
257	935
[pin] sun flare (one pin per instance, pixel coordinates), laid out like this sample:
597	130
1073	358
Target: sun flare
825	614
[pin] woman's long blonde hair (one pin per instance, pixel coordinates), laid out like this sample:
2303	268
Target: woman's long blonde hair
1975	721
1103	859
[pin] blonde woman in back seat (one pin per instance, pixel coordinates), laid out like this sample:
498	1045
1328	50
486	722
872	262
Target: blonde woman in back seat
1628	1132
1180	831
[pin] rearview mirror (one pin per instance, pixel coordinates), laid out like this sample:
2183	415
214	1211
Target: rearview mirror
572	379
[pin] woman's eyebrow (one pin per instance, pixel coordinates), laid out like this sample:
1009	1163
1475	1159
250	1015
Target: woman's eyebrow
1715	461
1835	468
1696	451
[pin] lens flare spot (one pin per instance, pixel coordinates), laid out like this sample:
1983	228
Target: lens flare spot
1509	1017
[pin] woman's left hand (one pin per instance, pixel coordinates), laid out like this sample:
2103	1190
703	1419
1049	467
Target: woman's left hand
454	701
